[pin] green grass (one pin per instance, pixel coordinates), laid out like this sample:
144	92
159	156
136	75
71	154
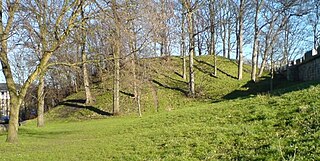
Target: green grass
262	127
245	122
163	76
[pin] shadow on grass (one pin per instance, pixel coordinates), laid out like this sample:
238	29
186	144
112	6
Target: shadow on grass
205	71
280	86
169	87
250	88
79	103
208	64
44	134
176	80
122	92
178	74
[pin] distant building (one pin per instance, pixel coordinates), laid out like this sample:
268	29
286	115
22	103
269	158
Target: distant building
4	100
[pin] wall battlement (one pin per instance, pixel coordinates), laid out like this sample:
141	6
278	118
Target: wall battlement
306	68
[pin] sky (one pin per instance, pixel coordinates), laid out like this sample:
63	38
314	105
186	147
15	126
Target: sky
2	79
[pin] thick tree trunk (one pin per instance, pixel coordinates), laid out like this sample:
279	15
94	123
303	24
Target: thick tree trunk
15	103
133	48
15	98
40	118
191	50
89	99
116	81
135	85
116	57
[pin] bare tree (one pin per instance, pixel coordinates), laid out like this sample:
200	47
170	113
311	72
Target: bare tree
190	8
89	99
116	57
67	15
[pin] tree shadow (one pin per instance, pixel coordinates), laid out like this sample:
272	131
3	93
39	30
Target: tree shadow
168	87
178	74
78	103
250	88
212	66
173	79
127	93
294	86
280	87
122	92
44	134
205	71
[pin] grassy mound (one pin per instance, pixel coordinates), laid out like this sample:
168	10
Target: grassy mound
262	127
162	88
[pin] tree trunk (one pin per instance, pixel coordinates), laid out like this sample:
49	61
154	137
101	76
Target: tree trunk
133	48
191	48
286	45
229	40
212	34
264	58
223	37
254	59
89	99
237	40
240	65
116	57
183	46
155	96
223	31
15	100
315	25
135	86
15	103
199	40
272	71
212	26
256	41
40	118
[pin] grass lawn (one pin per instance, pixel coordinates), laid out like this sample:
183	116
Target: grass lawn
262	127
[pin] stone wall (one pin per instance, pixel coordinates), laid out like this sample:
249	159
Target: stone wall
310	70
305	69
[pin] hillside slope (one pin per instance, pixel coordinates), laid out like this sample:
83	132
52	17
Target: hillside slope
262	127
162	88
